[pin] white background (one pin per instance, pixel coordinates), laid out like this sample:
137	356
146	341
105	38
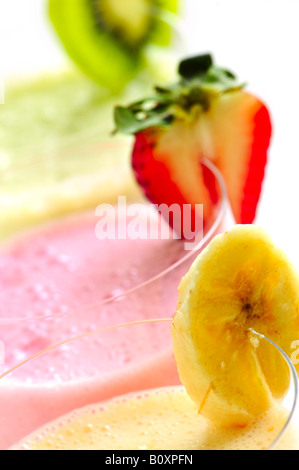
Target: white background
257	39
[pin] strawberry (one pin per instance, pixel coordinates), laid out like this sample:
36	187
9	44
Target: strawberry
207	115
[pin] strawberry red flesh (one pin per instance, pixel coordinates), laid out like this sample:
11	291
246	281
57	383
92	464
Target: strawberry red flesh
158	172
240	129
257	164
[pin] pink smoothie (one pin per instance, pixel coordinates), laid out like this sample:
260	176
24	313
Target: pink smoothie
59	282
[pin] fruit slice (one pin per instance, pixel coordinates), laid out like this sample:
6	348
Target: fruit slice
106	38
206	115
241	282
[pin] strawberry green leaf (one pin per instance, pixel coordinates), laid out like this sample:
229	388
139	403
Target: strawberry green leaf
219	80
128	122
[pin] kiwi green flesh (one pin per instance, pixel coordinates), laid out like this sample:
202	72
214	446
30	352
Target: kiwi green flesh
93	39
130	21
95	52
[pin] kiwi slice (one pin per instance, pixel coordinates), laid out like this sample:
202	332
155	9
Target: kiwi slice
107	38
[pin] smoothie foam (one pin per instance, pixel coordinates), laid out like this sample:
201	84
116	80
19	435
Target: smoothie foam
158	419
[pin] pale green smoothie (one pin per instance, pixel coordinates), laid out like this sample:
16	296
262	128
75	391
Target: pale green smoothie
57	154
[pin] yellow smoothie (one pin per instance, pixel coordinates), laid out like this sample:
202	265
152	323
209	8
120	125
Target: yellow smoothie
159	419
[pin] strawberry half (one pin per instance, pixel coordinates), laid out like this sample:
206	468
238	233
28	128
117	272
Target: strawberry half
206	115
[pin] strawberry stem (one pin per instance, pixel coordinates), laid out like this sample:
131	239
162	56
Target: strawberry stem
193	66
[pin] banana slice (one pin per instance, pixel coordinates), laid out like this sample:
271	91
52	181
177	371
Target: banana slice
241	282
